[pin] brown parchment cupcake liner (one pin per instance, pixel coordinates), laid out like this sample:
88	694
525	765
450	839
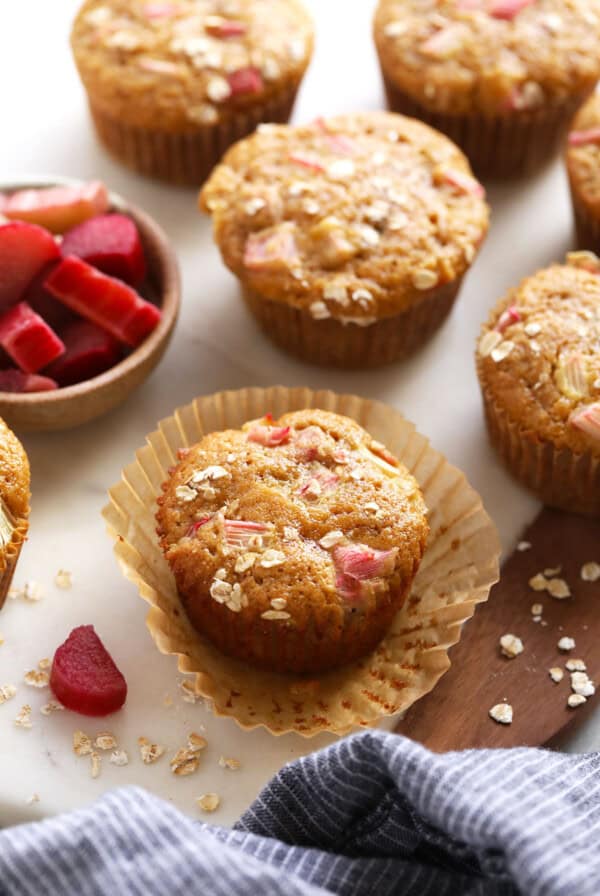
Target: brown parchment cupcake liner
9	565
332	343
587	226
504	146
459	567
185	158
559	477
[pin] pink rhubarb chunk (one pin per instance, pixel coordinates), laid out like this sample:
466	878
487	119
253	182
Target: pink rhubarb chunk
25	250
84	676
57	208
357	563
110	243
103	300
245	80
305	161
89	352
269	436
581	138
13	380
28	339
240	533
507	318
507	9
161	10
271	250
587	419
225	28
463	183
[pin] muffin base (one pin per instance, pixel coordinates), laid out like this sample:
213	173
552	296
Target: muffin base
503	146
558	477
184	158
587	227
331	343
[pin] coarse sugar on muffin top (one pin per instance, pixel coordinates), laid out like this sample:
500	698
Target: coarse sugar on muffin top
353	217
539	355
185	63
583	155
293	543
461	57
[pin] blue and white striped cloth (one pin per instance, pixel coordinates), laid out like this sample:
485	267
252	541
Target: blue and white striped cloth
374	814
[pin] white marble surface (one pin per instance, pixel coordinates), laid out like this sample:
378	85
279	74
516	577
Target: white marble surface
45	129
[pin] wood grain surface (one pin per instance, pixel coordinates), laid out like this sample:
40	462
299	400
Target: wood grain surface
455	714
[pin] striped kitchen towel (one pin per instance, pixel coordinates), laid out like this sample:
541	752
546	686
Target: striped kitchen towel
373	814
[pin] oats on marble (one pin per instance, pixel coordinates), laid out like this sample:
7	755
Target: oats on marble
63	579
149	752
105	741
209	802
7	692
23	719
82	743
119	757
95	763
233	764
50	707
37	678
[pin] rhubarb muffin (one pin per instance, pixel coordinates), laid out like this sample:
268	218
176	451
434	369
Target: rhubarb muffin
538	362
503	78
14	505
350	236
293	543
583	168
172	85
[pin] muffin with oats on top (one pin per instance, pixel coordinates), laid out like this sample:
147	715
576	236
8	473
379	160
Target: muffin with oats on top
14	505
350	236
172	85
294	542
502	78
538	362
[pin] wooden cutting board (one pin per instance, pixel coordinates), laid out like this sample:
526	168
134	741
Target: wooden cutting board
455	715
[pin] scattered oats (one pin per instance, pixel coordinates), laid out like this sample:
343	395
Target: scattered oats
319	310
233	764
99	16
502	351
373	506
575	665
197	741
538	582
275	615
511	646
119	757
210	474
218	89
556	674
356	474
558	588
123	40
149	752
331	539
582	684
95	764
533	329
369	236
590	572
220	591
566	644
245	562
254	205
279	603
187	759
203	114
37	678
32	592
424	279
188	691
63	579
535	347
51	706
272	558
395	29
82	744
34	798
362	297
502	713
549	573
106	741
576	700
271	69
221	574
552	22
7	692
209	802
488	342
537	609
185	493
341	169
524	546
23	720
44	663
336	292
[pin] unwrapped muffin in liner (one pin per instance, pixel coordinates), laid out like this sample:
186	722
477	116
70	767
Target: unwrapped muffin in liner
459	568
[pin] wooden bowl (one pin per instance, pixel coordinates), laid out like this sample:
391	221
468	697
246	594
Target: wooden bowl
74	405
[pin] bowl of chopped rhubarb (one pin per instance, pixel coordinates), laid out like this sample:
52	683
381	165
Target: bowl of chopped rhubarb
89	296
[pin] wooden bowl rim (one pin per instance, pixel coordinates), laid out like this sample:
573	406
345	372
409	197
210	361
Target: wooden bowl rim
170	305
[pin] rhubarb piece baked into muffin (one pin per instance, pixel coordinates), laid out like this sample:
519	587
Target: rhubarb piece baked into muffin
583	168
503	78
538	362
172	85
294	542
14	505
350	236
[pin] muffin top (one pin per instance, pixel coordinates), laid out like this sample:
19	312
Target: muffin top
185	63
14	490
583	154
490	57
309	507
354	217
539	354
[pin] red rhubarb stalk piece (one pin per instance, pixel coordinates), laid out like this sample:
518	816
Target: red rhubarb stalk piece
25	250
224	28
90	351
306	161
578	138
357	563
198	525
587	419
13	380
245	80
240	533
110	243
103	300
508	317
271	250
508	9
84	676
464	183
269	436
28	339
58	208
161	10
56	315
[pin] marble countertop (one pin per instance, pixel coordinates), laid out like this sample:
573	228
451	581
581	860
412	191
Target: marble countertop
46	129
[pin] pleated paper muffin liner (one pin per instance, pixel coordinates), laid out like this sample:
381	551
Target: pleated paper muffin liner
503	146
332	343
185	158
9	557
459	567
587	226
559	477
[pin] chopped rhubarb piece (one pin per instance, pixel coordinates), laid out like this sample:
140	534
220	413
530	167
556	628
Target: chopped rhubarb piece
28	339
507	318
269	436
89	352
198	525
271	249
306	161
223	28
243	533
245	80
446	42
579	138
358	563
110	243
161	10
321	482
25	250
336	142
587	419
58	208
103	300
463	182
309	443
507	9
84	676
13	380
381	451
43	303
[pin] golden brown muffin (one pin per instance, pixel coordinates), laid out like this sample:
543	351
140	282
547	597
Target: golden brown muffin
583	168
171	85
503	78
350	235
538	362
14	505
293	543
